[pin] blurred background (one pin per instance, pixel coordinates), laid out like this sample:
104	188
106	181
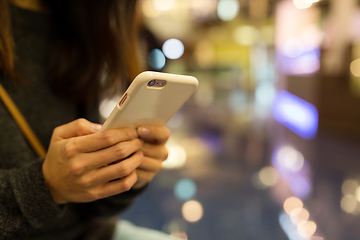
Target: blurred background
269	145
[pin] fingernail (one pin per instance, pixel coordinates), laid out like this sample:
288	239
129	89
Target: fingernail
96	127
143	131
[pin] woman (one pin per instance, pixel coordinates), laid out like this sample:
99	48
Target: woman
56	59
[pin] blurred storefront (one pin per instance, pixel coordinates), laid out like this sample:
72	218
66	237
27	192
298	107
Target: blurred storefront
269	145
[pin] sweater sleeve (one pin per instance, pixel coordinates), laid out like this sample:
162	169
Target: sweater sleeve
25	202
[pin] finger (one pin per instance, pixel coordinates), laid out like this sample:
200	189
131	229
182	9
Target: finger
155	151
112	154
119	186
143	177
156	134
102	140
118	170
151	165
79	127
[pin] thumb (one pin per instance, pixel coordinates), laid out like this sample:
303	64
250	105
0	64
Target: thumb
79	127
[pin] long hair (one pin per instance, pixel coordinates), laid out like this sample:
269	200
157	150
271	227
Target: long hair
91	39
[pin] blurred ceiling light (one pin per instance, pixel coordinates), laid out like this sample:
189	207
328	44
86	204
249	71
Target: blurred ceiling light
227	10
176	158
268	176
173	48
302	4
157	59
298	115
290	158
299	216
192	211
164	5
149	10
349	187
185	189
246	35
292	203
348	203
306	229
355	67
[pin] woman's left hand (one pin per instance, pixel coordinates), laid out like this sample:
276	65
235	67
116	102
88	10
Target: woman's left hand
155	153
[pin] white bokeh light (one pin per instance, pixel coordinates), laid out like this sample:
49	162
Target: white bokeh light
173	48
228	9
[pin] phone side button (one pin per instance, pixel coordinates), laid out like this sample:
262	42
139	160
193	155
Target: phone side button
123	100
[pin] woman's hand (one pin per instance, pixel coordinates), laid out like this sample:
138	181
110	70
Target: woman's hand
154	151
76	166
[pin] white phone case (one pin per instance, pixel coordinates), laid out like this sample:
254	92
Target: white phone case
143	105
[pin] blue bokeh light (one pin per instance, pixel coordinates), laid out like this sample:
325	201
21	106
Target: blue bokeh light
157	59
298	115
185	189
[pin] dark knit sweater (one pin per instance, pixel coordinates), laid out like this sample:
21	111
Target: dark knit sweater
27	210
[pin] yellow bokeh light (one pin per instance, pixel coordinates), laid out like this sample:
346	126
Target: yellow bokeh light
306	229
299	216
176	158
192	211
292	203
268	176
301	4
164	5
355	67
349	187
348	203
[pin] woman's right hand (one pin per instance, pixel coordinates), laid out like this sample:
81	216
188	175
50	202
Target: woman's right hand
76	165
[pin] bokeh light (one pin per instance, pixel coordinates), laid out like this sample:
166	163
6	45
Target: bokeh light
185	189
246	35
157	59
176	158
302	4
268	176
164	5
192	211
349	187
228	9
290	158
292	203
299	215
173	48
348	203
355	67
306	229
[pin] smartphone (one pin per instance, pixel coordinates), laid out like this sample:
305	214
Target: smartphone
151	99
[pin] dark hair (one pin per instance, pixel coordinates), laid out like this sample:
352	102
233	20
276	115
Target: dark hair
91	39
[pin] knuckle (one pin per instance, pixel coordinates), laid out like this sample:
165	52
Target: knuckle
125	169
120	151
108	138
76	169
84	182
166	133
69	150
81	123
128	183
94	194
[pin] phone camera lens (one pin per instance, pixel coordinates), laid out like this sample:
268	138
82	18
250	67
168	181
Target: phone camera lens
152	83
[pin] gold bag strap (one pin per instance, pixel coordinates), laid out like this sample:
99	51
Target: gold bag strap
22	123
